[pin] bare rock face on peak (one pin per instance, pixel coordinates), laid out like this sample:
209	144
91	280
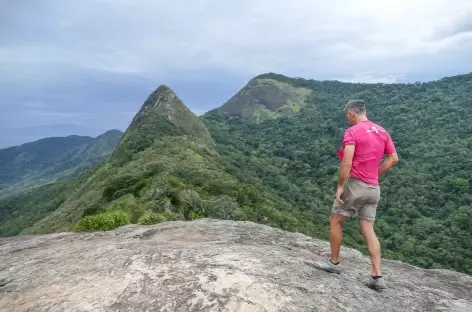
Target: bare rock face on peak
208	265
267	97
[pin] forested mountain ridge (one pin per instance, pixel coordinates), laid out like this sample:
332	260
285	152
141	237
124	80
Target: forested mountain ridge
45	160
425	214
165	168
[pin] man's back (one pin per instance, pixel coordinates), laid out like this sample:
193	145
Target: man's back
371	143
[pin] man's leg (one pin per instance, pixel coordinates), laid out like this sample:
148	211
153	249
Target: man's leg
336	239
373	245
336	236
367	214
339	213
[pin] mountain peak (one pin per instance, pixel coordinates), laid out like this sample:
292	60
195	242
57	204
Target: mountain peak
162	97
163	114
163	89
164	92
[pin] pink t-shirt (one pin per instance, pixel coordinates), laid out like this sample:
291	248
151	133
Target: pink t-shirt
372	143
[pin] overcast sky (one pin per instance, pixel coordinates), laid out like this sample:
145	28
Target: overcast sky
85	66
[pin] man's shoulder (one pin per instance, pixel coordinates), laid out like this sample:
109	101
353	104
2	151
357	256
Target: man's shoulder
363	128
364	131
358	127
372	127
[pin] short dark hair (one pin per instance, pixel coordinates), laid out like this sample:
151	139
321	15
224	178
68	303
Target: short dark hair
355	106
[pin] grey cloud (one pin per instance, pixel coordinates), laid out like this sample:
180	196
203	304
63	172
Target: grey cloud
244	36
454	27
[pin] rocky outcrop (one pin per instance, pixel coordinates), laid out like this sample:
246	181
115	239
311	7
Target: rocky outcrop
208	265
266	98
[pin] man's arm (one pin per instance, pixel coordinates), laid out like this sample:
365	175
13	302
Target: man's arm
392	157
389	162
346	164
345	170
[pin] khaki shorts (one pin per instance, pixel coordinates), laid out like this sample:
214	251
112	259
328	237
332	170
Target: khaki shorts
359	198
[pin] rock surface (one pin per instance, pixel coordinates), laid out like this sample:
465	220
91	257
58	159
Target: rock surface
208	265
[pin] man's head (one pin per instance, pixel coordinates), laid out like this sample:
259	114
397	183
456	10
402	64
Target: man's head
355	111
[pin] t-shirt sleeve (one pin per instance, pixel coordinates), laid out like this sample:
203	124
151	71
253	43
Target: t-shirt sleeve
389	146
349	138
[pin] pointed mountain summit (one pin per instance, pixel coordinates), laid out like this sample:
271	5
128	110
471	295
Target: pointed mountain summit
165	158
162	114
164	102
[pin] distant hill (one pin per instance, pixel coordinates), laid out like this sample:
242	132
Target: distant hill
266	97
49	159
13	136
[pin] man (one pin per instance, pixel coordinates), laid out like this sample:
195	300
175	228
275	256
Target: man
358	191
